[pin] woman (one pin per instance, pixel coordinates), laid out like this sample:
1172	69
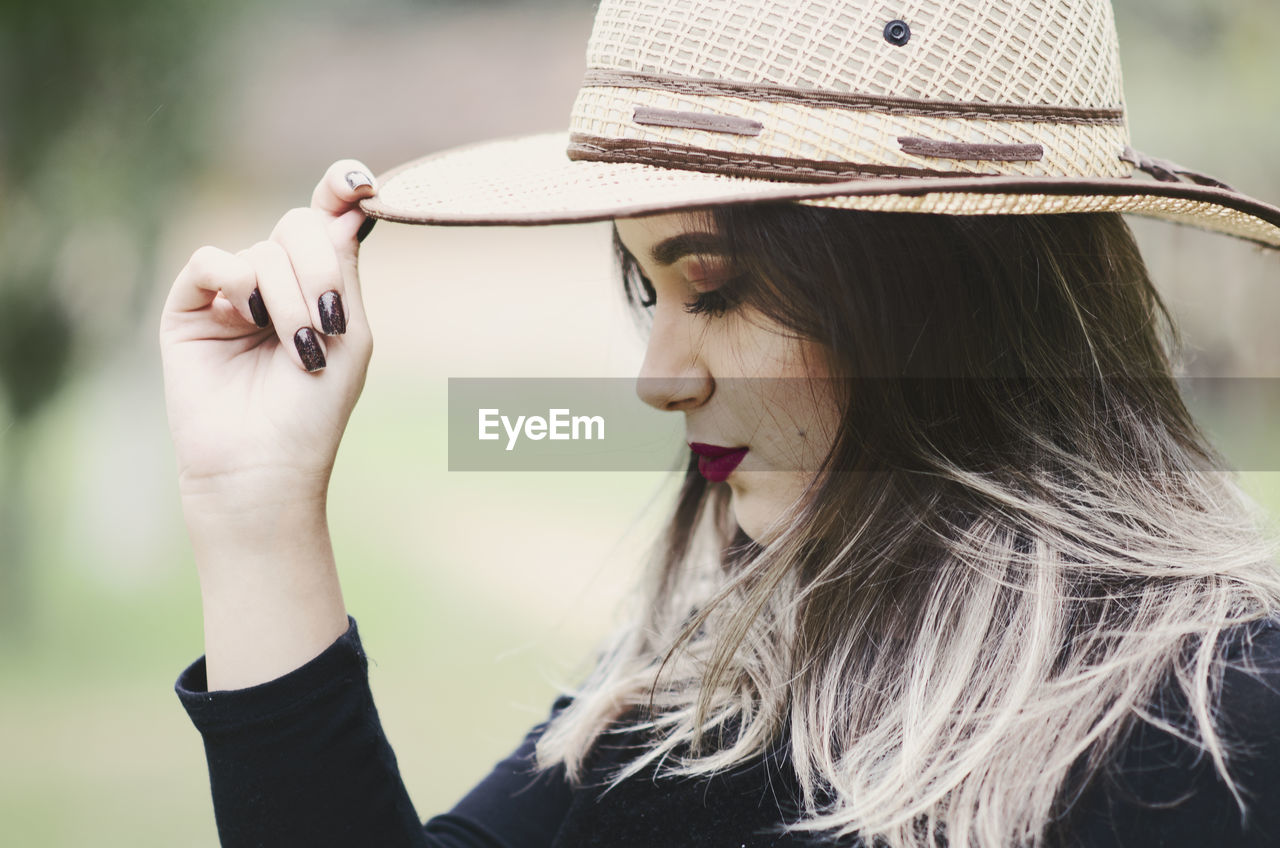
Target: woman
951	564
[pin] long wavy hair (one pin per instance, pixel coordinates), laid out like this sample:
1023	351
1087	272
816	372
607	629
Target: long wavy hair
1019	536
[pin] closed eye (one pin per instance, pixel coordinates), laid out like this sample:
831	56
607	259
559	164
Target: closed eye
714	303
640	289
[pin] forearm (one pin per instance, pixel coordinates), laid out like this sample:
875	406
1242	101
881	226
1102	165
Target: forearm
269	586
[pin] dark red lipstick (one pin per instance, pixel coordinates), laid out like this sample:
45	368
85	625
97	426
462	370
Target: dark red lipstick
716	463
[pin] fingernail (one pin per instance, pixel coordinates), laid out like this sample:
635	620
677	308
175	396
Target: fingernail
332	319
358	179
258	309
309	349
365	229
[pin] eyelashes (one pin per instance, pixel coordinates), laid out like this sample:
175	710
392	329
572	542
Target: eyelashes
713	304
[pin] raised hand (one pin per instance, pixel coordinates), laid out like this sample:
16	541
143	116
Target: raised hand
265	352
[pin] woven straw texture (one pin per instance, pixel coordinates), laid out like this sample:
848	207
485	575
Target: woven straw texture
530	181
1175	209
1026	52
1046	52
988	107
838	135
532	177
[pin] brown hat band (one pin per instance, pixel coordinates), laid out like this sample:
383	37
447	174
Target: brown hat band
595	149
767	132
771	93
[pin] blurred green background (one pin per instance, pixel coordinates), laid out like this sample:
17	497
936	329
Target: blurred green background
132	132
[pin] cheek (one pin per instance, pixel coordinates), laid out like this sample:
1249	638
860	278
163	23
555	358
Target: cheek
807	417
805	385
749	344
800	404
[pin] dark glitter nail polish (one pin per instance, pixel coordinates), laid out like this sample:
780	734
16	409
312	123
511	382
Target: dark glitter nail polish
309	349
332	319
258	309
365	228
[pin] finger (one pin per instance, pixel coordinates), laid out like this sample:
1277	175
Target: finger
342	232
283	298
345	234
347	182
208	272
302	234
346	228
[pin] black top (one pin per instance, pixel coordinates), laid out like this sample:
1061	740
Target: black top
302	761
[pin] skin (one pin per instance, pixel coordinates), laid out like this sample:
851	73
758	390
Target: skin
740	379
256	434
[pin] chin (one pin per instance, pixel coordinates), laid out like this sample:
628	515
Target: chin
747	512
756	508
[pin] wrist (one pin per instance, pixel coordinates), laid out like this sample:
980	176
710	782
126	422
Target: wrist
261	539
270	591
261	636
253	517
262	488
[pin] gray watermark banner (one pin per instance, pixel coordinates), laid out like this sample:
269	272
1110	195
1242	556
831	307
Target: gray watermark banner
612	424
537	424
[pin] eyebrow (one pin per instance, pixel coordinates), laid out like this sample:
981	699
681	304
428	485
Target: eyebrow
669	251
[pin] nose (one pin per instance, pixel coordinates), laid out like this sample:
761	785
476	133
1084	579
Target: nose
674	376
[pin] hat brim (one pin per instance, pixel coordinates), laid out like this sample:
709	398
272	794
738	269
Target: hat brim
531	181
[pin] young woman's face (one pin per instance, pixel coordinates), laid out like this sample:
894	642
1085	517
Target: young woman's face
741	380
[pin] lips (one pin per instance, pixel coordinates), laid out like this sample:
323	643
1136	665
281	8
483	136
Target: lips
715	462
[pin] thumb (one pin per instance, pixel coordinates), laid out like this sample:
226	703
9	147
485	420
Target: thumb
348	230
344	184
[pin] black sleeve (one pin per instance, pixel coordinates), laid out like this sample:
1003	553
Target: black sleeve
1168	794
302	760
1251	716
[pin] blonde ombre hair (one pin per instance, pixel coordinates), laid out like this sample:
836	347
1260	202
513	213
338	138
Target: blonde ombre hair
1019	536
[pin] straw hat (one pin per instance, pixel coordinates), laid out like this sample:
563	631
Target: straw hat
961	107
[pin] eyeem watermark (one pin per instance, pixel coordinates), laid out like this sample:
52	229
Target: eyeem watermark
560	425
536	424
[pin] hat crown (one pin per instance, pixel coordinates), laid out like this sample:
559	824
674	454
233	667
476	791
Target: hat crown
1035	52
954	107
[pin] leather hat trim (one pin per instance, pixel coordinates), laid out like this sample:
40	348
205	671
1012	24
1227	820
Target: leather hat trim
651	116
974	152
771	93
664	155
